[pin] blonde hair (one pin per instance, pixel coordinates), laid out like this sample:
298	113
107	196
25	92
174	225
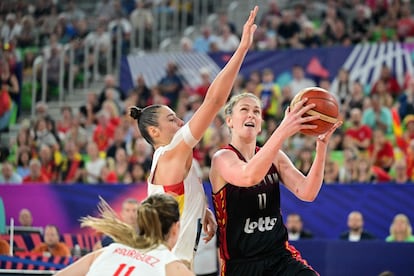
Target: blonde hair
404	218
155	216
228	109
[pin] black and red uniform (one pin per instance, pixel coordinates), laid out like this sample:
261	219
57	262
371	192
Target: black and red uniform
252	236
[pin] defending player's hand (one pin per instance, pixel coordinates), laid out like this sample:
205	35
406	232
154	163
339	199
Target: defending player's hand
209	225
248	29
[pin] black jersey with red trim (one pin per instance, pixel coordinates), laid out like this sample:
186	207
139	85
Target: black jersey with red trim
249	219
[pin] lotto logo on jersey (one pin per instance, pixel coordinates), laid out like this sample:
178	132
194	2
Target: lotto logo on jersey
262	225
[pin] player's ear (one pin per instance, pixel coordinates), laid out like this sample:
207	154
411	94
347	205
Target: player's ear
154	131
229	121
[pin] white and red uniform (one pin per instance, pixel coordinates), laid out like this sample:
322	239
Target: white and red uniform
121	260
190	196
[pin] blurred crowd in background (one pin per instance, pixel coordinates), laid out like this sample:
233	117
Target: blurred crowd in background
100	143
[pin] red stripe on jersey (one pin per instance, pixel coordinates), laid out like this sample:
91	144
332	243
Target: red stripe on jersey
219	200
176	189
296	254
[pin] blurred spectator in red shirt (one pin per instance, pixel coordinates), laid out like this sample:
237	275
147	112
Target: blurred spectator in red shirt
357	135
104	131
201	89
35	175
391	83
381	151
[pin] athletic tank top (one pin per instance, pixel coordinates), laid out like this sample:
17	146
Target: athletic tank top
192	201
119	259
249	219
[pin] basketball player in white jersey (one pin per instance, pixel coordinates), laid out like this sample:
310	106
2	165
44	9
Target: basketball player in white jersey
146	253
173	170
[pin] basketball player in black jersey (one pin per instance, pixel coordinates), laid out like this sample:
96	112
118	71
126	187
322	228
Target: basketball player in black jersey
245	180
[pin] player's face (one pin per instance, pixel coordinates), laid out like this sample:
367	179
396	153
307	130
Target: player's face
168	122
246	118
51	236
129	213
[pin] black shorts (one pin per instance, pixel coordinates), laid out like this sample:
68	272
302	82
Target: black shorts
285	263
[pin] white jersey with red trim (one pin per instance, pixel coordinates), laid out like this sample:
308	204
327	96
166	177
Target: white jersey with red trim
121	260
192	201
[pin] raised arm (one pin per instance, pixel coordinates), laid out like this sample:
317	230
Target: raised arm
220	88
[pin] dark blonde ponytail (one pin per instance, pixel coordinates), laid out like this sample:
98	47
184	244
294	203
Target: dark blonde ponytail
155	216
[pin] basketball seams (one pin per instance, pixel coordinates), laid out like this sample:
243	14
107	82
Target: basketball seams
322	116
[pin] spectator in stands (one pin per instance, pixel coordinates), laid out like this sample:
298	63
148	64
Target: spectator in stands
268	91
288	30
304	160
52	245
22	160
142	22
348	171
391	83
118	142
365	173
400	229
89	111
193	103
50	167
203	42
357	135
331	172
224	20
9	86
381	151
4	247
73	12
140	91
299	80
65	122
72	168
35	175
205	83
128	215
158	216
25	218
53	71
8	174
360	25
171	84
385	96
105	10
43	136
94	164
309	38
142	154
11	29
27	37
377	116
355	100
400	172
104	131
343	87
294	225
122	166
406	100
356	231
110	83
227	41
405	24
78	134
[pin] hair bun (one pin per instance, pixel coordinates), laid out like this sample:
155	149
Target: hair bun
135	112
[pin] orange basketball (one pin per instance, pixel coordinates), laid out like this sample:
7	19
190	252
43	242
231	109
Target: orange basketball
326	107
